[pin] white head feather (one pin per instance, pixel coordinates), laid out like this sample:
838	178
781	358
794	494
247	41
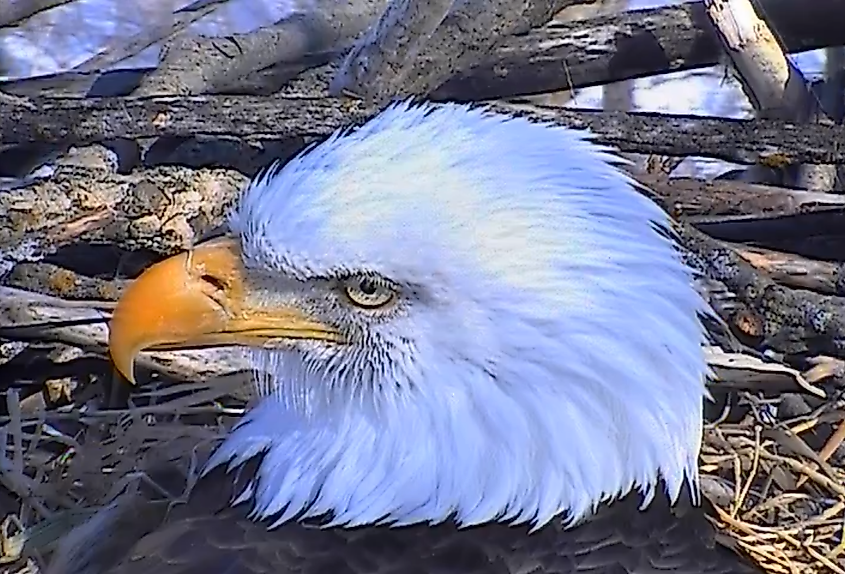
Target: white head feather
547	355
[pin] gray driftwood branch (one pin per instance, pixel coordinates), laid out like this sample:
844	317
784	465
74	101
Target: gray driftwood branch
555	57
91	120
774	85
197	64
419	44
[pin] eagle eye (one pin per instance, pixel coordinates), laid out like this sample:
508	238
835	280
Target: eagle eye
369	292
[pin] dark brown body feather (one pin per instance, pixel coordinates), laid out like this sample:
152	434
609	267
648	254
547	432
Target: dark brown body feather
208	536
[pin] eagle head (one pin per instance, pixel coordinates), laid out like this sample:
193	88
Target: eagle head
451	314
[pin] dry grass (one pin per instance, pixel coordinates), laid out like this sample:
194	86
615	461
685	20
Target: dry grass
62	465
777	498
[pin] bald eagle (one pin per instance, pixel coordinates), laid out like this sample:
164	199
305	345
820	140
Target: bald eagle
478	351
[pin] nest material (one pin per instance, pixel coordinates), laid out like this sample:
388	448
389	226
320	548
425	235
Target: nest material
61	466
779	500
776	498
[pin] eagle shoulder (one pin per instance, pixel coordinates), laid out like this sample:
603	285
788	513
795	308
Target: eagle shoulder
207	535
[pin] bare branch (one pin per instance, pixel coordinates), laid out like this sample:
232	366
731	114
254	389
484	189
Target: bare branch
775	86
555	57
387	63
81	120
195	65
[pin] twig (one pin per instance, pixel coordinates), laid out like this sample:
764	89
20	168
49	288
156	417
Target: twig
811	473
742	494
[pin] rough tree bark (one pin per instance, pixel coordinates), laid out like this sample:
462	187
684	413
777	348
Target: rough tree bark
555	57
417	45
273	118
196	65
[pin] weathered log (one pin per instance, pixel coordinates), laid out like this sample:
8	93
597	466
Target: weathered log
555	57
775	86
793	321
196	65
699	200
417	45
280	117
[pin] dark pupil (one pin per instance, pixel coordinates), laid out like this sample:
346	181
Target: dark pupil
368	286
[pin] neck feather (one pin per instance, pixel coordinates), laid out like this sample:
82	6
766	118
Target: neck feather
511	449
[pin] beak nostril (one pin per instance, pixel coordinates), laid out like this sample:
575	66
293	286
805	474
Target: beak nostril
217	283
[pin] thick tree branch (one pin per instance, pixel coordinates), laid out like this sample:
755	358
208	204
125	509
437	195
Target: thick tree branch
788	232
796	271
555	57
788	320
156	32
688	197
742	141
384	56
419	44
196	65
774	85
164	209
629	45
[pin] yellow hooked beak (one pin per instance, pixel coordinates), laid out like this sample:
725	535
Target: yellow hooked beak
198	299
